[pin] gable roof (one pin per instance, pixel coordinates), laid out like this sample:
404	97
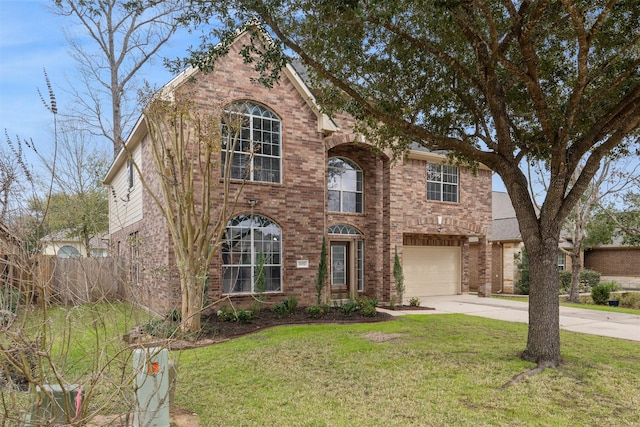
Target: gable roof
325	123
504	227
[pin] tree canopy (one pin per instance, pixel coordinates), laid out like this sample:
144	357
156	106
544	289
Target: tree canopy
497	82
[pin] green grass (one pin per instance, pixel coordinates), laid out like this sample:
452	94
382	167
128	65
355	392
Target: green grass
84	344
431	371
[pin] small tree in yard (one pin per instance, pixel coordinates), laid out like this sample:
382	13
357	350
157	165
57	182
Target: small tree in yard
43	345
321	278
398	275
187	144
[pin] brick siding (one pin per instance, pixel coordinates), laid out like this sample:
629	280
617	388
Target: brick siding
396	211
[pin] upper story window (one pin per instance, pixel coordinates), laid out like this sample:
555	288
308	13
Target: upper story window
256	143
442	182
344	183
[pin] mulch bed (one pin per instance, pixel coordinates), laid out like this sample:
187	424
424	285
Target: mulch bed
214	330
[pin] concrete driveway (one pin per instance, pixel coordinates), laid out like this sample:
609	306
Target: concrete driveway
595	322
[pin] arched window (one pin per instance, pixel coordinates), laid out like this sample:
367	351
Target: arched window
344	230
344	182
251	251
255	145
68	251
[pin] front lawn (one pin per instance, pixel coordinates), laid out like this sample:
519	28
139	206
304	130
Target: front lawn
415	370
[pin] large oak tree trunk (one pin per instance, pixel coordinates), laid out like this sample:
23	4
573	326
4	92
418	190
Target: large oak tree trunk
543	343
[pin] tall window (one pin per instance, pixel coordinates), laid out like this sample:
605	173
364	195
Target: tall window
562	261
442	182
344	185
256	144
134	254
341	231
252	250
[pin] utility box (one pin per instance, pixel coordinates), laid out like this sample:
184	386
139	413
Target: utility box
55	405
152	371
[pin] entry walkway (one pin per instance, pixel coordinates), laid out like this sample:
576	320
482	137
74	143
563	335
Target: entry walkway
594	322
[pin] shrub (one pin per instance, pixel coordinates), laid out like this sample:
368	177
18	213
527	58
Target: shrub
590	278
522	263
630	300
175	316
367	306
285	307
228	314
414	302
244	316
600	293
10	299
350	307
316	311
369	311
565	281
160	328
321	278
398	276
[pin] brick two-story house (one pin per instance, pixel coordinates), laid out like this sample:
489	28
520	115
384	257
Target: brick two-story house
311	177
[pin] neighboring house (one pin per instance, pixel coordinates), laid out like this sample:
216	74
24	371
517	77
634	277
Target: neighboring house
615	262
507	246
63	246
311	177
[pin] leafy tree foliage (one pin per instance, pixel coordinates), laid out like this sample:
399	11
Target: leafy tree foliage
496	82
613	221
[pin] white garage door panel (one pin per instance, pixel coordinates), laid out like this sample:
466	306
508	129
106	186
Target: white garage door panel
431	271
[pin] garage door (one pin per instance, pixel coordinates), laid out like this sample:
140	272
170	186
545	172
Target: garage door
431	270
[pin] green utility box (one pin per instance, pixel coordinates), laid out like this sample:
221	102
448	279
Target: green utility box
152	391
55	404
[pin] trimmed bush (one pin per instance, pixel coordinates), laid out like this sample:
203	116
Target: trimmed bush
601	292
228	314
316	311
414	302
565	281
368	306
590	278
285	307
350	307
630	300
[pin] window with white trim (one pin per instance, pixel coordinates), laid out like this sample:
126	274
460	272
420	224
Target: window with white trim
251	250
442	182
344	183
348	230
562	261
255	146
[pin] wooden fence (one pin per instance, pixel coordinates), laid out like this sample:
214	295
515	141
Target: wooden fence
82	280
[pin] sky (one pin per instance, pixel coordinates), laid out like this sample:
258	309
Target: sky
32	40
